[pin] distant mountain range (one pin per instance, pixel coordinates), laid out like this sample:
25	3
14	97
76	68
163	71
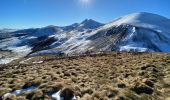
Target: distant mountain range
137	32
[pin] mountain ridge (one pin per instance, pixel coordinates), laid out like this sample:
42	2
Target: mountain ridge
137	32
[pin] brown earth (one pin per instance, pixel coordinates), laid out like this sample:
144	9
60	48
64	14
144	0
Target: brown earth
112	76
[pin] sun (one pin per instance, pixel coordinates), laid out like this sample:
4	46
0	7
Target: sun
85	1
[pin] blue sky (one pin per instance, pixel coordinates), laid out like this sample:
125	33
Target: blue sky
38	13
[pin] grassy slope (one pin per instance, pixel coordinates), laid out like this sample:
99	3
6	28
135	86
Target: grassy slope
119	76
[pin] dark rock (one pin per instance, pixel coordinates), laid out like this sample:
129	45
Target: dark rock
67	94
148	82
147	66
142	89
121	85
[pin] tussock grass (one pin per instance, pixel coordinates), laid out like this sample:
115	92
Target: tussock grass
103	76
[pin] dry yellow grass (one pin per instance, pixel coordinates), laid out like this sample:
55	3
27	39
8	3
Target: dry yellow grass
113	76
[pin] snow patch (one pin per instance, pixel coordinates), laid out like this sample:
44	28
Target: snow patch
16	52
24	61
129	48
37	62
30	89
19	92
56	96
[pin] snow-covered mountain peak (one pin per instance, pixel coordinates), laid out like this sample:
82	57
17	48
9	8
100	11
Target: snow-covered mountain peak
145	20
90	23
85	25
137	32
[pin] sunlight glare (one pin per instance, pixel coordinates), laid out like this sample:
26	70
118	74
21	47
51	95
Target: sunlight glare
85	1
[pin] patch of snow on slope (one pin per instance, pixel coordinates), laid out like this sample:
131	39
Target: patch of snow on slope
7	60
31	37
21	51
18	52
129	44
24	61
144	40
37	62
133	49
77	45
9	42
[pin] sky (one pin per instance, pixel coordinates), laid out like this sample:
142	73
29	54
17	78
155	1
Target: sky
18	14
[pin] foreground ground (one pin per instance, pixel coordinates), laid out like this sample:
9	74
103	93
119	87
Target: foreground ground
113	76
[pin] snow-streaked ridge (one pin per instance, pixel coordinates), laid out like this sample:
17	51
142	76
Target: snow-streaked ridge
137	32
145	20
